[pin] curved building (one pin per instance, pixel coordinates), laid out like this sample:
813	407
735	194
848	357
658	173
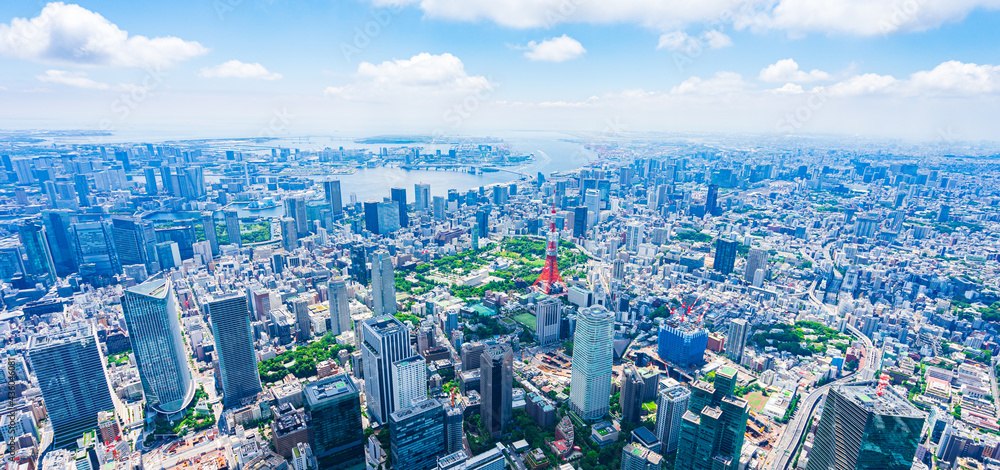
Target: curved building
154	328
590	383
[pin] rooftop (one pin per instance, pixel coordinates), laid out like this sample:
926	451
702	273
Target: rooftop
888	404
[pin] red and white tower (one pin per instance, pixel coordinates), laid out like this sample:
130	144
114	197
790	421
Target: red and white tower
550	280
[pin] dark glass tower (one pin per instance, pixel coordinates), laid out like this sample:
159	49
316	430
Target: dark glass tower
337	437
234	346
497	384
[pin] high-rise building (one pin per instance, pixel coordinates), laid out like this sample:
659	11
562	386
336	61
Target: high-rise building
736	340
637	457
383	284
340	309
303	325
483	222
385	340
472	354
592	200
135	242
337	437
399	197
409	381
496	388
57	223
331	191
154	328
712	200
725	255
580	219
150	173
168	255
944	213
289	234
208	223
359	263
295	207
230	317
39	262
453	433
439	208
861	429
756	259
633	237
421	196
632	394
866	226
547	320
683	345
590	382
71	376
711	437
371	216
416	436
670	408
233	227
95	251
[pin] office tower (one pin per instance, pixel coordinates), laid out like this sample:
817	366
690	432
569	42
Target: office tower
670	408
756	259
154	328
233	227
168	255
483	223
57	223
632	393
453	432
712	438
340	309
383	284
590	382
618	269
712	200
194	177
547	320
416	436
409	381
592	200
385	340
39	262
388	217
337	437
682	344
725	255
71	376
439	208
150	181
289	234
359	264
633	237
736	340
230	317
863	430
474	235
82	188
371	217
866	226
580	219
421	196
300	308
295	207
637	457
95	250
944	213
135	242
399	197
472	355
331	191
208	222
496	388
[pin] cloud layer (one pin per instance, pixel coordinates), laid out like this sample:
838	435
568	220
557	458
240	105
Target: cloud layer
237	69
418	77
557	49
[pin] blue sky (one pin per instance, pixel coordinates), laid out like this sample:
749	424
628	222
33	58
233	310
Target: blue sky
905	68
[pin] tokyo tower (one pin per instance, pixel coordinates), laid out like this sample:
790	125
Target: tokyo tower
550	281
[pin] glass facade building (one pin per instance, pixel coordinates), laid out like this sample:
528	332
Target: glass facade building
681	345
590	382
337	438
416	436
230	318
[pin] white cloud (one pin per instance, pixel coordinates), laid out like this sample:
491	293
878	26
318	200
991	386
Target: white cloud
74	79
789	89
853	17
555	49
417	77
716	39
70	34
721	83
955	77
677	41
237	69
787	70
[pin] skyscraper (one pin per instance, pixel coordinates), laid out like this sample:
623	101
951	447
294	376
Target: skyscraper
637	457
230	318
289	234
453	432
385	340
580	219
862	430
547	320
383	284
416	436
295	207
371	217
135	242
725	255
331	191
756	259
303	325
439	208
233	227
682	344
399	197
633	237
712	200
712	438
496	388
57	223
670	408
590	383
409	381
736	340
337	437
632	392
208	223
36	246
592	200
71	376
359	263
340	310
421	196
95	251
154	328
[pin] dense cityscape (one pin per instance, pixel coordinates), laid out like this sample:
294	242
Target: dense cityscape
690	303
